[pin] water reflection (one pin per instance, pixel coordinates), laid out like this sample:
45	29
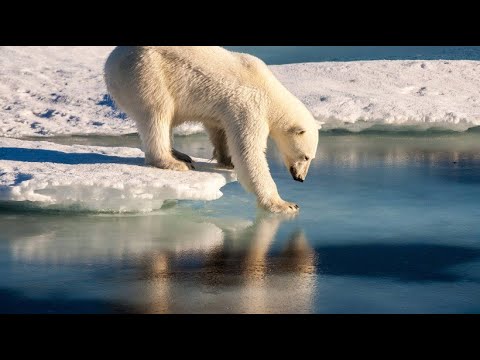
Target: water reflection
179	264
242	276
184	263
354	151
83	239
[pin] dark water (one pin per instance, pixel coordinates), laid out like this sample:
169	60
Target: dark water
296	54
388	223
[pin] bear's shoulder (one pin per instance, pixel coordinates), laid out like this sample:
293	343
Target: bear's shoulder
251	62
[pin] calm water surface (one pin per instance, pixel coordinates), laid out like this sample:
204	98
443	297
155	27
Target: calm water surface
388	223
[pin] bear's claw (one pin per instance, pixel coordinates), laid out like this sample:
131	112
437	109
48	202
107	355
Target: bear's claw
172	165
181	156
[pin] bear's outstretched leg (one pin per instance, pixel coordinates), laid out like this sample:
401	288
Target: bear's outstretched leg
154	130
220	147
248	156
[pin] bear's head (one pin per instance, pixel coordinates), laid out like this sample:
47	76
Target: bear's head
297	141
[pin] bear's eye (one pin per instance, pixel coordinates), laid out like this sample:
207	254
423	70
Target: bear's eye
307	158
297	130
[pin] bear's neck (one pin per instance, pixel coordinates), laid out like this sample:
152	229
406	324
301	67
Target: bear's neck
285	111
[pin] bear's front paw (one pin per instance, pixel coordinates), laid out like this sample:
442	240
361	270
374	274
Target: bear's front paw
281	207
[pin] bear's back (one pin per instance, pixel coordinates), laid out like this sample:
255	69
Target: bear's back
213	62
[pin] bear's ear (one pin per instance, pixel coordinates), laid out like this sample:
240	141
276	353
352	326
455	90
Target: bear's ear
297	130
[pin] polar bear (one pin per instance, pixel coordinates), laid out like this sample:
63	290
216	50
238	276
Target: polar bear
236	97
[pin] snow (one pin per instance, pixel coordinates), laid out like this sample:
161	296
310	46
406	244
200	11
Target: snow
358	95
46	91
49	90
97	178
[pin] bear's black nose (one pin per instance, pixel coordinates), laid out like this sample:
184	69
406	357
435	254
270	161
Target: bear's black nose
295	176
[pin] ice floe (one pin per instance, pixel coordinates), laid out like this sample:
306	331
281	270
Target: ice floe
98	178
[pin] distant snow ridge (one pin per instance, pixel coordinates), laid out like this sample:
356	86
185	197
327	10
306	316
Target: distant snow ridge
98	178
387	94
46	91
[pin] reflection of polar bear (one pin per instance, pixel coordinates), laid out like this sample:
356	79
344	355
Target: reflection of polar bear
235	96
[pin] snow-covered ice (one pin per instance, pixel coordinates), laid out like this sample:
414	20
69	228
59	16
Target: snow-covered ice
59	90
357	95
47	91
98	178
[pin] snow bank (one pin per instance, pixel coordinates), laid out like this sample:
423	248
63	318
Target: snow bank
47	91
357	95
98	178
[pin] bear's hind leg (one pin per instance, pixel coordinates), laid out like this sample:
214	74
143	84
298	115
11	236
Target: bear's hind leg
220	147
154	132
181	156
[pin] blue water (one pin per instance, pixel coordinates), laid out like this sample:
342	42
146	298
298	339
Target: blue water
297	54
388	224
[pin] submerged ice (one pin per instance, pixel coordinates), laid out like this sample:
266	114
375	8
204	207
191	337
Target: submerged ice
98	178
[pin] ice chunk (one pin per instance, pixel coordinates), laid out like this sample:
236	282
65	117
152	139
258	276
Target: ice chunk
98	178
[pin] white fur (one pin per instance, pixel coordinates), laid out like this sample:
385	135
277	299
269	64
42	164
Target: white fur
235	96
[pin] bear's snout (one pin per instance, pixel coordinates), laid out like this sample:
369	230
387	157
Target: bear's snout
295	176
